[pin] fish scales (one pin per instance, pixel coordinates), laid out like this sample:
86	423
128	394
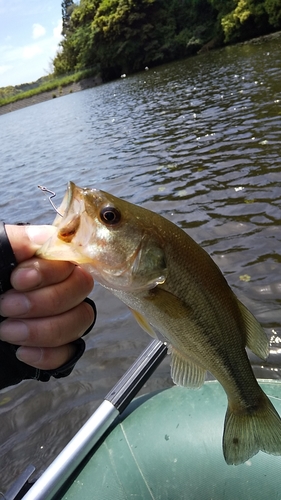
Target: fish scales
174	288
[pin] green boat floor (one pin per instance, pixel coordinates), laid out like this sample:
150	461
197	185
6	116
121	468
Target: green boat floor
169	448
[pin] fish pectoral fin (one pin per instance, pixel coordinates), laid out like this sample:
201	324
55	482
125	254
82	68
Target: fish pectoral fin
141	320
185	372
256	338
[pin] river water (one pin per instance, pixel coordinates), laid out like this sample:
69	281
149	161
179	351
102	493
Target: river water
198	141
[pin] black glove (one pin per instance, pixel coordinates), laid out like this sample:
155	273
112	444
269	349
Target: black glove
13	371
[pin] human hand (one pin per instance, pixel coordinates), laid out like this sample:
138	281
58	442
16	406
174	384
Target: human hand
45	309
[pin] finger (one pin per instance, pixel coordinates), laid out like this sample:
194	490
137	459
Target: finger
37	273
48	332
46	358
25	240
50	300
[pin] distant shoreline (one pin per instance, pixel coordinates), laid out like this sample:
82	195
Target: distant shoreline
87	83
93	82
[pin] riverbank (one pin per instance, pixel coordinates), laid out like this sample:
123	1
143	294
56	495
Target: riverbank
93	81
86	83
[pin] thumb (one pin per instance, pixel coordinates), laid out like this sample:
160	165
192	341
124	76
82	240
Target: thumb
25	240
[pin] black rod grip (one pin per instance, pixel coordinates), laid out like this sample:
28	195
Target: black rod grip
136	376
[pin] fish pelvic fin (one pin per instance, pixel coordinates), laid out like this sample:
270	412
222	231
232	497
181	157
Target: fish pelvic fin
184	371
247	434
256	338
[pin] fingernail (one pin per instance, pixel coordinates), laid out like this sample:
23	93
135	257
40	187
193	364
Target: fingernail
14	304
13	331
28	277
29	354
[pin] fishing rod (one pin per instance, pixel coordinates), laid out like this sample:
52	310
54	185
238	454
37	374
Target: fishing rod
115	402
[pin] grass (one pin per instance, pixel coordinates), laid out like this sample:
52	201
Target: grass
52	84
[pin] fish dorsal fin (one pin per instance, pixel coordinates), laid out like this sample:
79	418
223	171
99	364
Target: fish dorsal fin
256	338
140	319
185	372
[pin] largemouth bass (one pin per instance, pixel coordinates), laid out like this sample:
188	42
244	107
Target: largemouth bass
173	286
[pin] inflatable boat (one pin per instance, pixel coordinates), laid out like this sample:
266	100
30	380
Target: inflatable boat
161	446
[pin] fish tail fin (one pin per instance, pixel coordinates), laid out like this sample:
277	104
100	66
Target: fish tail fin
247	433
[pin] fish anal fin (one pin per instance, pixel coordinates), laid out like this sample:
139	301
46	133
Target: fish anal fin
256	340
184	371
141	320
245	434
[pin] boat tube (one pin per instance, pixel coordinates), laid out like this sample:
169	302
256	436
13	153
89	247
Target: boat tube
164	446
168	447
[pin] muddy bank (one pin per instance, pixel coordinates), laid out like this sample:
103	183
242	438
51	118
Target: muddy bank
87	83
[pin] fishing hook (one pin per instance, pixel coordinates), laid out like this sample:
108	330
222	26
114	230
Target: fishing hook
52	195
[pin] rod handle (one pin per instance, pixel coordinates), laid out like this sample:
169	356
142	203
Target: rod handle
136	376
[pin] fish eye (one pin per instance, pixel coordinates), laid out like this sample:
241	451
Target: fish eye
110	216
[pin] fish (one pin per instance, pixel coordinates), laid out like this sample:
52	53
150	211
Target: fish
175	290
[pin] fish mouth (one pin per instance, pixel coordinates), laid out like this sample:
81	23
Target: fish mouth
67	223
72	193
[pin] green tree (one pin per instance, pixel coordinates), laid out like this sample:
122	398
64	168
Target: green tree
123	36
248	19
223	7
67	7
273	9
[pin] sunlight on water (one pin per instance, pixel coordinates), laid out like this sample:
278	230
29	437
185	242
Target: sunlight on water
198	141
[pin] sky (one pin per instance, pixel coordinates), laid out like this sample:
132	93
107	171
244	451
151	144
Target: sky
30	32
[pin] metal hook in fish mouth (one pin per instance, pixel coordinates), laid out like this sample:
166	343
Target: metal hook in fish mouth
53	194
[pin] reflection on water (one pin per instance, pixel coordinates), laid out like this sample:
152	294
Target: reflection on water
198	141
